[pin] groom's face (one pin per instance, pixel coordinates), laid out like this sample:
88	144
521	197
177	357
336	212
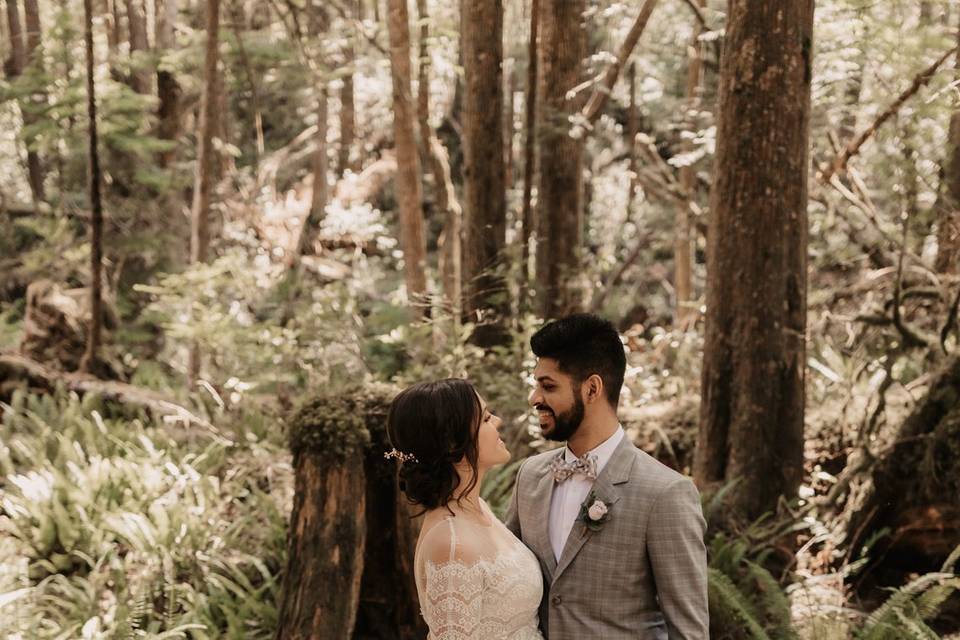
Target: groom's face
556	399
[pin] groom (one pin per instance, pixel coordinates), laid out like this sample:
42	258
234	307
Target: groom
619	536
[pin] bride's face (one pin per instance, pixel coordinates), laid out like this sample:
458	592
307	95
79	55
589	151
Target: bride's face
490	448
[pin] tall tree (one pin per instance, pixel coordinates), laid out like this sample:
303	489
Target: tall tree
527	222
682	250
948	205
18	55
562	47
319	195
89	360
139	46
34	58
751	414
168	88
200	212
409	189
348	115
485	207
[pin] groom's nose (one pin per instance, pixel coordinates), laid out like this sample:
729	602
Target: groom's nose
535	397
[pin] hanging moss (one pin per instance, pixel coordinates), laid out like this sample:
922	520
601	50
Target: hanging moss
339	425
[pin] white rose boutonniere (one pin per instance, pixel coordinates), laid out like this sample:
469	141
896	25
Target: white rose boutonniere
594	512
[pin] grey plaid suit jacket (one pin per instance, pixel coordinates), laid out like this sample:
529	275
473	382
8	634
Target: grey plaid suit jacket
643	575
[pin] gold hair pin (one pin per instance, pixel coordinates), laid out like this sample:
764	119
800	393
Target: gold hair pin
400	455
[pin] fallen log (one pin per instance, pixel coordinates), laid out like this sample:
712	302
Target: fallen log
14	368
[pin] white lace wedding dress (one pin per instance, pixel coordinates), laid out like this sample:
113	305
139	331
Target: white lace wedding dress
477	582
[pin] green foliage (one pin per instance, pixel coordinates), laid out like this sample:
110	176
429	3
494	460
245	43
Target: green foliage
117	527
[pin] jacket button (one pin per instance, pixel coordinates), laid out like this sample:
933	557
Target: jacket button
556	600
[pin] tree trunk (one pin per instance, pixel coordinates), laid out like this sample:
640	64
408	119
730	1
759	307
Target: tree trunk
484	207
409	190
751	418
948	205
320	194
562	47
200	212
168	89
449	244
139	46
528	222
31	16
326	543
348	118
18	56
915	490
337	586
89	362
682	250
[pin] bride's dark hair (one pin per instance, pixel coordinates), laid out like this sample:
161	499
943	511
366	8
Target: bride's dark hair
437	423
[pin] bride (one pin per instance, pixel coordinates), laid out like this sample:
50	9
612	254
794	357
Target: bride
475	579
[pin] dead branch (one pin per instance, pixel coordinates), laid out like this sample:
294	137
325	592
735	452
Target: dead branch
602	91
839	163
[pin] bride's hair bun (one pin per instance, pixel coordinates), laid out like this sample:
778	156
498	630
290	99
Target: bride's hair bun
436	422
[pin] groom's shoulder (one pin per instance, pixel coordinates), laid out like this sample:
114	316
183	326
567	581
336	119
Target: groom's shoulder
539	460
653	473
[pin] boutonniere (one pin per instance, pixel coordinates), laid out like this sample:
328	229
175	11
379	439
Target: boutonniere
594	512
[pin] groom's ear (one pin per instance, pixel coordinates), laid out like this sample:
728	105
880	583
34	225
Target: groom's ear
593	388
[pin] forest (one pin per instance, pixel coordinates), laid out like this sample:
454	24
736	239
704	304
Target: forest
232	230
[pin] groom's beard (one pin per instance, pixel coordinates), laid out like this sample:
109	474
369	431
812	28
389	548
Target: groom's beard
566	423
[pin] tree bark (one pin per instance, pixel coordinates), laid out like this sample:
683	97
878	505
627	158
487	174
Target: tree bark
89	361
139	46
484	207
326	543
948	204
348	117
409	189
528	223
320	194
200	212
168	89
562	47
31	15
682	249
18	55
751	418
915	489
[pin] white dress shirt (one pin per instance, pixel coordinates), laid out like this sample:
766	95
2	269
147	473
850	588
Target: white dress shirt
570	494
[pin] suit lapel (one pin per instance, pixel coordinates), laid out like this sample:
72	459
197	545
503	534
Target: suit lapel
617	471
540	533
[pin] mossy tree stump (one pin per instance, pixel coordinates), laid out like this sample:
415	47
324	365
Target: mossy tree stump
350	547
915	491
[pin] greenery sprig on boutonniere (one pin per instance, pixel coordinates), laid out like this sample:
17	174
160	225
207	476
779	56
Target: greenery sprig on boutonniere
594	512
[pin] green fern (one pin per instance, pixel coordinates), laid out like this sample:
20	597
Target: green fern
730	609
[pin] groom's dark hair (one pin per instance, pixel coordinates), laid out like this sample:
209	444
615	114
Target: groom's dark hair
584	344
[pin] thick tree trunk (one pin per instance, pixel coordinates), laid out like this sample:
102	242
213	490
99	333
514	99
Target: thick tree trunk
326	543
484	207
89	362
915	489
168	89
200	212
139	46
948	204
683	239
18	55
528	222
351	539
409	190
562	47
31	16
751	420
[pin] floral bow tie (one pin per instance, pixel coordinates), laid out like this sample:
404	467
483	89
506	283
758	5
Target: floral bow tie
563	470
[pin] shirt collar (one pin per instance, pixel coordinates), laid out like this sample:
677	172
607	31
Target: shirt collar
603	451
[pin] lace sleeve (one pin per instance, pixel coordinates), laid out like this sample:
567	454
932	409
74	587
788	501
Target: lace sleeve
453	585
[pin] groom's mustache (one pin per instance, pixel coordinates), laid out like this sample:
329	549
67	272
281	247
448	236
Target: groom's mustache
543	407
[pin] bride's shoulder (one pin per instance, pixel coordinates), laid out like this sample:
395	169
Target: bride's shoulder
446	538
